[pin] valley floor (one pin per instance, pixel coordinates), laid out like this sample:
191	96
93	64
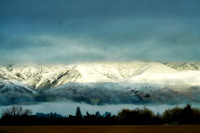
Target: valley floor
103	129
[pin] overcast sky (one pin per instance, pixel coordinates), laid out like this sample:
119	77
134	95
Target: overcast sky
68	31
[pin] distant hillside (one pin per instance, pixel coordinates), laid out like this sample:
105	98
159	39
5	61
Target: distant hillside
99	83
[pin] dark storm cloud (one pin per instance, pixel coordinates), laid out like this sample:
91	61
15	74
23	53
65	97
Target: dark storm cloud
65	31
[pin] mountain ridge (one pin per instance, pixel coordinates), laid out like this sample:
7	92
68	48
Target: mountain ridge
116	82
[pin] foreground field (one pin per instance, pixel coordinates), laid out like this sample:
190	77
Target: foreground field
103	129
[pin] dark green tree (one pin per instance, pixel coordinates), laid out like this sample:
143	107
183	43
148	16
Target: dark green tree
78	112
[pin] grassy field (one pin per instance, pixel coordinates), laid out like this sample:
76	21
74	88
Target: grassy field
102	129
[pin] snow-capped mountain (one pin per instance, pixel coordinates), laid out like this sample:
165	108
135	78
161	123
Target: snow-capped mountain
100	83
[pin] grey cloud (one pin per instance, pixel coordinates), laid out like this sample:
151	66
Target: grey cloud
99	30
97	8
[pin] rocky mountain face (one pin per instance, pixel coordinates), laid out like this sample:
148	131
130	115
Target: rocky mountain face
101	83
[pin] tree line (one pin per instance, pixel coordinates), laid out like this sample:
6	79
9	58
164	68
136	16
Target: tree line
16	115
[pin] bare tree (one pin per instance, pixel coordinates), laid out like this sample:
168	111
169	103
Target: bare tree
16	111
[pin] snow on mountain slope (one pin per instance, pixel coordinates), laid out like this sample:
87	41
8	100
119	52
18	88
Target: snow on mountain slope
184	66
6	74
42	77
129	70
132	93
33	75
13	88
103	82
169	77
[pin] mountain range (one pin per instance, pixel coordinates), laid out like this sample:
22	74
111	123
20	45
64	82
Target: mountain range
101	83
